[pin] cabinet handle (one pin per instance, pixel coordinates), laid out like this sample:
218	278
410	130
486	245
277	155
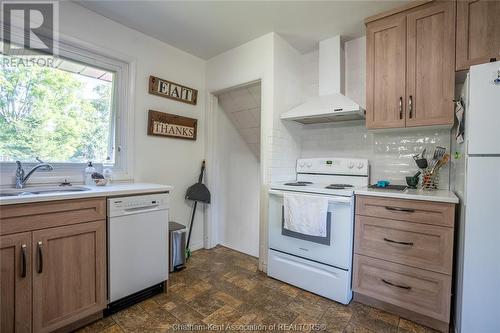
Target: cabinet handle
400	107
40	258
410	107
396	285
397	242
23	260
397	209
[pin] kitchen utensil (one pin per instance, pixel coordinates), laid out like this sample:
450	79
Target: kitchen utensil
440	163
420	155
438	154
412	182
422	163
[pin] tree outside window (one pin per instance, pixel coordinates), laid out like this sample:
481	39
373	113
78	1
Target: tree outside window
61	114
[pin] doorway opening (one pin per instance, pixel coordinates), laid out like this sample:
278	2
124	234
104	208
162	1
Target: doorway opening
235	150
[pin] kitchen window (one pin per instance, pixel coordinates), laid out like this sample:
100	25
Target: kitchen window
66	114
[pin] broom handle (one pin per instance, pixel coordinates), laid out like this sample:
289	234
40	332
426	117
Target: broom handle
200	179
191	225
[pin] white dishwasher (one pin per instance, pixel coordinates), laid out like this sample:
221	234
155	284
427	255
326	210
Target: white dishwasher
137	248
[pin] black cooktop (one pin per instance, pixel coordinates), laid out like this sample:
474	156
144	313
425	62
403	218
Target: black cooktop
390	187
338	186
298	183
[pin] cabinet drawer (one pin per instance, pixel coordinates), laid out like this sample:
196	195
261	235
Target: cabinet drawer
423	246
41	215
406	210
417	290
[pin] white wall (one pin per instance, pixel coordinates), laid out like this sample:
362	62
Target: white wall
160	160
249	62
238	175
287	94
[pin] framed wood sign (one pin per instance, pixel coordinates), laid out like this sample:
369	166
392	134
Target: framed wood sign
171	125
172	90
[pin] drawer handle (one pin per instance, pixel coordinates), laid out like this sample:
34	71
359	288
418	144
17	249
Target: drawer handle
396	285
23	260
400	107
396	242
410	106
40	258
398	209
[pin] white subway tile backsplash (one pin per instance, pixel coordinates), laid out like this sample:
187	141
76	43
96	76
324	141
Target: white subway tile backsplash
390	153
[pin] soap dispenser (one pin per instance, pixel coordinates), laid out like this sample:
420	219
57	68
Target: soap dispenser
89	170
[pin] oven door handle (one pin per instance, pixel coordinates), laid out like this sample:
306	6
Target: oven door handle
336	199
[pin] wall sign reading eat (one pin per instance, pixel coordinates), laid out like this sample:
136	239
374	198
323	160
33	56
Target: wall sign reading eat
169	89
166	124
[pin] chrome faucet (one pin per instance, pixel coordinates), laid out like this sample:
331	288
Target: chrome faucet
21	179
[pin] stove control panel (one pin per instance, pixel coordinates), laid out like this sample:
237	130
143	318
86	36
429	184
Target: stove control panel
329	166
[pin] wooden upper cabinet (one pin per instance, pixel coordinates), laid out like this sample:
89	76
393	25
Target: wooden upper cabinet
69	274
430	65
15	283
410	65
386	63
478	32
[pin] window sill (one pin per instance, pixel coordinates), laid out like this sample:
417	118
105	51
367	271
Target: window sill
73	174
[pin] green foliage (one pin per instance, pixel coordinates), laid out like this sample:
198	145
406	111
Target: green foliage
55	115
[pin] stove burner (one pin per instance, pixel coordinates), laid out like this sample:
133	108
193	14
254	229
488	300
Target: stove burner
338	186
298	184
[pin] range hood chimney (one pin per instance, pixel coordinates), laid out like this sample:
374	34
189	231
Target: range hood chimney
331	104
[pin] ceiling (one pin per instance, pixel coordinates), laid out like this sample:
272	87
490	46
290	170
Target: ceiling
208	28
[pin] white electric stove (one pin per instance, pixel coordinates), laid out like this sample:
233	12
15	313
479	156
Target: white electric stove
322	265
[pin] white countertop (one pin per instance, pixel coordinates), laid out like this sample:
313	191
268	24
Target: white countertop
110	190
413	194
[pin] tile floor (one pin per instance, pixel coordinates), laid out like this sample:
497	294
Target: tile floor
223	287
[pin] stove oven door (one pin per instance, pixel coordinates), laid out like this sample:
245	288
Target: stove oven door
337	252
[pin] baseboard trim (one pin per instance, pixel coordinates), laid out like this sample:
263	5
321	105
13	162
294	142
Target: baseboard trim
407	314
196	246
80	323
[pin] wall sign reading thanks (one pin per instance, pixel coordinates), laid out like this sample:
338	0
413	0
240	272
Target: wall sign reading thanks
169	89
171	125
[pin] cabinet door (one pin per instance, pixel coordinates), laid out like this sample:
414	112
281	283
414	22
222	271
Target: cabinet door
69	274
478	32
15	283
430	65
385	73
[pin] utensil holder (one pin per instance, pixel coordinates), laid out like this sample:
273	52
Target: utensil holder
430	180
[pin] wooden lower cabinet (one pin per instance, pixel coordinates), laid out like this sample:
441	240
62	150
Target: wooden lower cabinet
69	281
52	275
15	283
418	290
403	258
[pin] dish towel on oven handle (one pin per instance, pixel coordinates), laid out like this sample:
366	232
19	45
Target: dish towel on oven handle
305	214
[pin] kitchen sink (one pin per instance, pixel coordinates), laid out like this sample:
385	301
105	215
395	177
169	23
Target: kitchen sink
41	190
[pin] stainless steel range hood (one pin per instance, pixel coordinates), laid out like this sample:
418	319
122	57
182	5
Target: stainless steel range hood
331	104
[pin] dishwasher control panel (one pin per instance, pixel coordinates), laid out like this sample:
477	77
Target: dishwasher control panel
136	203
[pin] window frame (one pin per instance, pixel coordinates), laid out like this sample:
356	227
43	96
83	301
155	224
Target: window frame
122	111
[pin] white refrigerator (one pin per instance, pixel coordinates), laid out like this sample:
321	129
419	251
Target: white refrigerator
478	274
